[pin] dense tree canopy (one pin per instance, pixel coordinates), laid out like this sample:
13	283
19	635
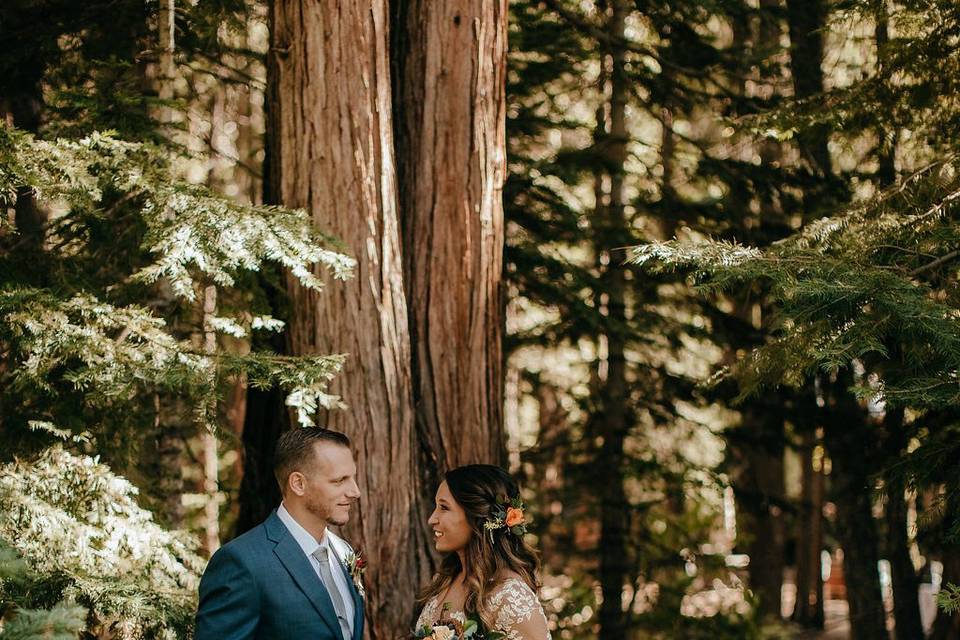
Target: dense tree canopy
690	269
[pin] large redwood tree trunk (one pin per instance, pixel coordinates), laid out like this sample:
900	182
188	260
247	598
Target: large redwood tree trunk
331	149
449	62
449	105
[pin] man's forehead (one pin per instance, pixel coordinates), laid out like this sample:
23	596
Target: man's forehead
333	455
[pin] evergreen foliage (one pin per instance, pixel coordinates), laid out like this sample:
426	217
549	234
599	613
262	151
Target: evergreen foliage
128	299
89	327
868	292
851	287
560	254
68	344
80	537
86	65
949	598
63	621
874	283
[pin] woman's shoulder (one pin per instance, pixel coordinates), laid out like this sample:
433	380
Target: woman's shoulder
517	609
428	615
513	586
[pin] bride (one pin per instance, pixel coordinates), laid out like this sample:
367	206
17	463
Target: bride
488	573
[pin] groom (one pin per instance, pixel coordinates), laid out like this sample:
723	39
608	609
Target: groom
286	578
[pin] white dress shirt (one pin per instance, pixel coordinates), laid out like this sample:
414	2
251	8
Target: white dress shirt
309	545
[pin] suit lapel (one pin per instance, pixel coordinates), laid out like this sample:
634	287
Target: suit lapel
295	562
357	602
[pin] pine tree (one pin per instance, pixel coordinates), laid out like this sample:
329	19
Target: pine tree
79	543
80	353
580	188
868	294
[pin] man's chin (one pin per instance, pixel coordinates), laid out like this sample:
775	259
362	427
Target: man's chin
338	521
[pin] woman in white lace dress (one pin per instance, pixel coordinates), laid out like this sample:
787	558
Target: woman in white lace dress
488	573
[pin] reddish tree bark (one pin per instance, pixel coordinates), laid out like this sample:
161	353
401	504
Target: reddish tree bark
331	150
449	88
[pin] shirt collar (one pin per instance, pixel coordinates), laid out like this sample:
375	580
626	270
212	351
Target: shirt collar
307	542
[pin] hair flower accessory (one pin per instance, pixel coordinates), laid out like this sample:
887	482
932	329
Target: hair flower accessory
507	513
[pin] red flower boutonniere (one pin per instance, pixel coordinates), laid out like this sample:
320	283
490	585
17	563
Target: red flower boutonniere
356	565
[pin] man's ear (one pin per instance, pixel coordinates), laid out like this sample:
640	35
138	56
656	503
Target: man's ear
297	483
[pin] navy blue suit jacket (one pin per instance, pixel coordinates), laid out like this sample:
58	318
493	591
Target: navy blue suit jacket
261	586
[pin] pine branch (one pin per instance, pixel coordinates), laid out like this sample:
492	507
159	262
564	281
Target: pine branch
942	260
191	230
109	352
81	534
833	310
949	599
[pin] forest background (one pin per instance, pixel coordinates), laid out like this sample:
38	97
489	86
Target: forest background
689	269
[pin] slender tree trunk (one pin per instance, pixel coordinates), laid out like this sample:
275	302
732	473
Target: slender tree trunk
449	109
761	495
886	140
846	432
756	448
904	579
331	151
173	424
612	418
208	441
848	439
668	195
806	18
549	460
265	415
166	67
264	420
808	610
946	626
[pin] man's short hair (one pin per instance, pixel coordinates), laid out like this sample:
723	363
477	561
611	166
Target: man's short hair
294	450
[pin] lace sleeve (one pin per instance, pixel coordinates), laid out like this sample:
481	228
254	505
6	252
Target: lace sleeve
518	612
428	614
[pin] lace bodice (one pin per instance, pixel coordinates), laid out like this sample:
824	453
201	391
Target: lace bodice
513	604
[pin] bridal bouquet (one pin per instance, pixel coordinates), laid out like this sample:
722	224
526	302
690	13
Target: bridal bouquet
454	630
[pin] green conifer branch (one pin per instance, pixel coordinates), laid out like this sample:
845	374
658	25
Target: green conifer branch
80	537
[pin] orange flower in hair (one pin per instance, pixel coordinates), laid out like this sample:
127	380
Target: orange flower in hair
514	516
507	514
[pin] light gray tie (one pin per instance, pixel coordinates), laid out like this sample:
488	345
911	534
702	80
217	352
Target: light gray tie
327	577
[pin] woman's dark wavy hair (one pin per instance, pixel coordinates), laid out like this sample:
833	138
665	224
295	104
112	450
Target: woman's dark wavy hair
476	488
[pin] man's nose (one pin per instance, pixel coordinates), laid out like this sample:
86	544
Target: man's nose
354	490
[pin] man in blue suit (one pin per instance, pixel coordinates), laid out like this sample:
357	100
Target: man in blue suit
287	578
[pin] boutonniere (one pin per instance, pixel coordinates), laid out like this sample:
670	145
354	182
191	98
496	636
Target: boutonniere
356	565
